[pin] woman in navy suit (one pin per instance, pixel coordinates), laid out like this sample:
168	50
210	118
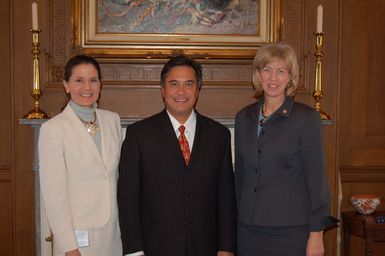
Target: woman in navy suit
282	190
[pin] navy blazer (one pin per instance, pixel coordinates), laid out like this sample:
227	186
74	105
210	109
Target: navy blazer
166	208
280	179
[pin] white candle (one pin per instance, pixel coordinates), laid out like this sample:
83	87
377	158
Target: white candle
320	10
35	24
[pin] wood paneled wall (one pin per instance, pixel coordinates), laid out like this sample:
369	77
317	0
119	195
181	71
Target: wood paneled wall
353	84
361	112
6	132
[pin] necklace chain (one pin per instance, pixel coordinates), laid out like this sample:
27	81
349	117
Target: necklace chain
264	117
91	126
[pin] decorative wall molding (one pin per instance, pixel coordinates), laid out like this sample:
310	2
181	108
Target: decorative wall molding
59	30
139	75
5	175
294	34
362	174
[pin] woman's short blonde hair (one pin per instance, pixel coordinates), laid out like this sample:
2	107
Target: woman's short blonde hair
267	54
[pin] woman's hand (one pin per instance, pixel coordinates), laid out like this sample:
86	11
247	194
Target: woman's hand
75	252
224	253
315	244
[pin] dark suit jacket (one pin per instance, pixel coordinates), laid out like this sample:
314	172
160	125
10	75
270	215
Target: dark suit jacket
166	208
280	179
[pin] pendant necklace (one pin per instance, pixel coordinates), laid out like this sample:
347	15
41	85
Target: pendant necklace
91	126
264	117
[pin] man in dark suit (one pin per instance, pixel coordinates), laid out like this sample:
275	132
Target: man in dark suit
171	202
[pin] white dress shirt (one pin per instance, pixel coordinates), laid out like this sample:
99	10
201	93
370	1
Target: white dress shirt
190	125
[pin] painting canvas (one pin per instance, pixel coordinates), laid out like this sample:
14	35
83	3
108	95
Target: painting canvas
213	17
161	25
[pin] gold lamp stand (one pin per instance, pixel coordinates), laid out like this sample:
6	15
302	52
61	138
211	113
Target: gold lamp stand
317	94
36	113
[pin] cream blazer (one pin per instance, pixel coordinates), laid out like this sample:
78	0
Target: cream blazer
78	184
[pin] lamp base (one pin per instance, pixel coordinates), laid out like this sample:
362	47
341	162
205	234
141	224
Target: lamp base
36	113
323	114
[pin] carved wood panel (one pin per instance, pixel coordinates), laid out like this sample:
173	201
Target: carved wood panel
362	102
6	213
7	224
361	105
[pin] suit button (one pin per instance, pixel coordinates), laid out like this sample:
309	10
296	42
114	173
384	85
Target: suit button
259	151
256	170
187	197
255	190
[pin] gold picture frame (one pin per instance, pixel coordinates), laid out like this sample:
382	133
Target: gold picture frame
154	30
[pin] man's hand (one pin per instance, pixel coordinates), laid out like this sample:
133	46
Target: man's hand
315	244
75	252
224	253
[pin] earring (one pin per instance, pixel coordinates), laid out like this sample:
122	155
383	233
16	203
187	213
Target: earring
288	84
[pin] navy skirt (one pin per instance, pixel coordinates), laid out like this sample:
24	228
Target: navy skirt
271	241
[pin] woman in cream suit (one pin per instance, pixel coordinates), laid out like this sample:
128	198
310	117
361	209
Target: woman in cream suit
79	153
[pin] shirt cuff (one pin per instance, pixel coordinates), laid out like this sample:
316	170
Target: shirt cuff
141	253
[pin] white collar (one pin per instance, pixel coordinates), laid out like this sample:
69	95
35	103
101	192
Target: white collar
190	123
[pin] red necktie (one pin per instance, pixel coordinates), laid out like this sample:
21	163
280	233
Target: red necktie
184	144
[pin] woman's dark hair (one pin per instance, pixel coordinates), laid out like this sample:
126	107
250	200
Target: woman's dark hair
77	60
182	60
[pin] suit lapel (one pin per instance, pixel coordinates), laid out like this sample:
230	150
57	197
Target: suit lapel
199	138
84	139
251	128
167	136
106	142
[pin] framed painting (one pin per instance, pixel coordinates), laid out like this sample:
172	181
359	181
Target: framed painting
159	28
